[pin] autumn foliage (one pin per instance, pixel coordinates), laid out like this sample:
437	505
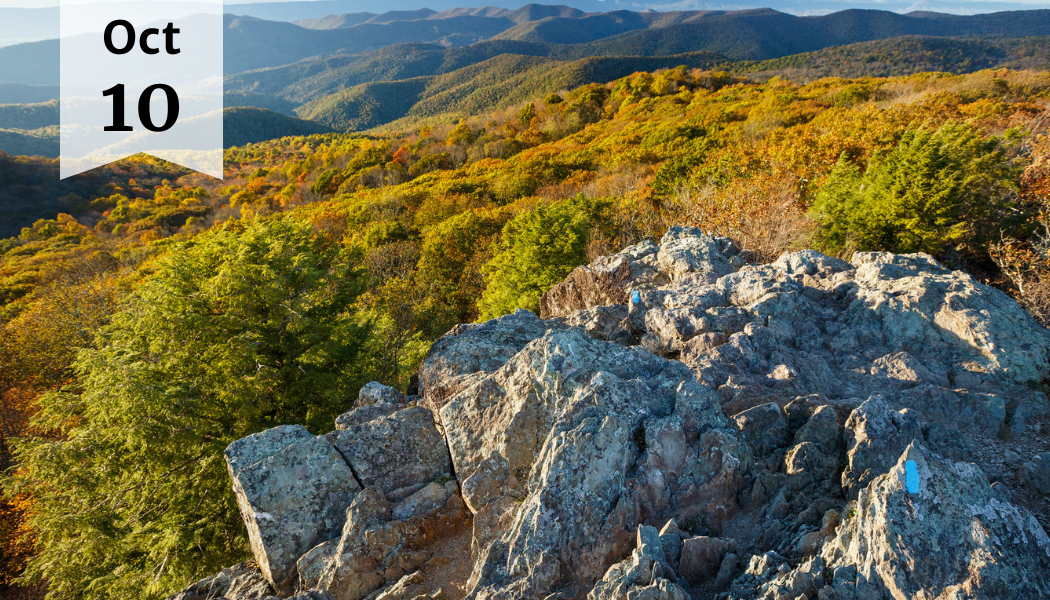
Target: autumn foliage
443	221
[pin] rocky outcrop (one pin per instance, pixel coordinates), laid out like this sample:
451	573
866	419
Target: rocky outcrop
592	437
810	428
935	528
292	489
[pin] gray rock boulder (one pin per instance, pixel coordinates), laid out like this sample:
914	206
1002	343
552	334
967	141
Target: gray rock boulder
395	452
512	411
1035	474
688	253
292	489
875	437
376	393
239	582
476	348
570	415
945	533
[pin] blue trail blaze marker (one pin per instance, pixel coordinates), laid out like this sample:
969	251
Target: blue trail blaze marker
636	297
911	476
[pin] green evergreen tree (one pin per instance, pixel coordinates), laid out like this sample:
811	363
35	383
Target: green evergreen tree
236	332
952	188
538	249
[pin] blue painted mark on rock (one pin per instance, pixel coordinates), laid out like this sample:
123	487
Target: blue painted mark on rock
911	476
636	297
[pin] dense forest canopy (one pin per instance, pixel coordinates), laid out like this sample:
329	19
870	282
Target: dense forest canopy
163	314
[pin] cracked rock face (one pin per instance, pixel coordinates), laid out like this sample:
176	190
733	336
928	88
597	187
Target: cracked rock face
475	348
810	428
398	453
293	490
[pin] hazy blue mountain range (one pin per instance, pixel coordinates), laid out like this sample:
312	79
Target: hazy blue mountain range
359	70
254	43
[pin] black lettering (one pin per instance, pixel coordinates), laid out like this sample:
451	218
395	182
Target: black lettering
169	39
144	44
173	107
117	92
108	37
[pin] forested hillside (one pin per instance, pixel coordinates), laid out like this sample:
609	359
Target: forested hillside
903	56
42	141
241	126
152	316
495	83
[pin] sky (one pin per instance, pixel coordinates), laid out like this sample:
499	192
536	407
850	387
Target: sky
801	7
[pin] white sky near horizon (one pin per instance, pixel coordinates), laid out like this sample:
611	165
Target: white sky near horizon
956	6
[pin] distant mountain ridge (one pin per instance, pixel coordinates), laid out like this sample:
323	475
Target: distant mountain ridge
361	70
525	14
252	43
761	34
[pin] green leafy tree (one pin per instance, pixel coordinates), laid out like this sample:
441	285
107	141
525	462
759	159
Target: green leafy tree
952	188
538	248
528	113
461	134
236	332
450	268
328	182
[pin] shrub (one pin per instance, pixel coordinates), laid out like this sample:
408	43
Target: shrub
764	213
537	249
949	189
